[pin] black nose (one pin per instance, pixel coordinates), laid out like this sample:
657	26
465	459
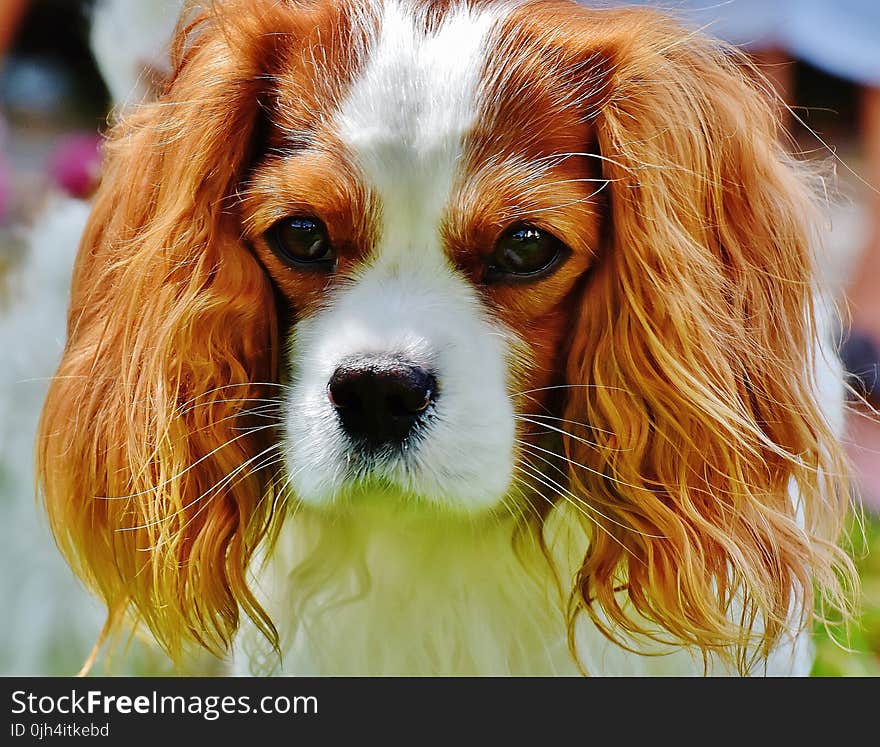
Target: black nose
379	399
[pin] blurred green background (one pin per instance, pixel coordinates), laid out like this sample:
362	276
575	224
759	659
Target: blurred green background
859	656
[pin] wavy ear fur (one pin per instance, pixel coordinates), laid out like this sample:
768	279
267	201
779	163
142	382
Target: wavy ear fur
155	486
720	474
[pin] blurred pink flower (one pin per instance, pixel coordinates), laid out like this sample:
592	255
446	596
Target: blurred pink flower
5	176
5	187
75	164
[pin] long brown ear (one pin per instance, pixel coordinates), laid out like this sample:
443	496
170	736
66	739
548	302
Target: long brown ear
698	346
153	477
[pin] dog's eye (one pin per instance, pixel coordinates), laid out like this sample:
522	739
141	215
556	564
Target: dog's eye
302	242
524	252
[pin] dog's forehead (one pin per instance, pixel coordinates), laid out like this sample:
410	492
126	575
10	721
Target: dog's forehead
416	97
407	114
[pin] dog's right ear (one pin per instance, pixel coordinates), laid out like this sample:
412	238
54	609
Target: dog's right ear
154	479
715	472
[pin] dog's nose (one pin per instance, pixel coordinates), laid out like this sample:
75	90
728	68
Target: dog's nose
379	400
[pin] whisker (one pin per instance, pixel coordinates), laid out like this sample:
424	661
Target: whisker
527	445
264	412
192	408
565	156
233	386
180	474
564	204
554	417
544	185
563	420
269	411
576	506
538	402
581	502
572	386
214	489
566	433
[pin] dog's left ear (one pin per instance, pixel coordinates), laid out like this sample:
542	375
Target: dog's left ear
155	478
713	462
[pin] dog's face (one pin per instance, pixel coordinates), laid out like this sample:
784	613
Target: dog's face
488	257
425	226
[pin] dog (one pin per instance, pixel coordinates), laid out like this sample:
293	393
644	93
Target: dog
452	338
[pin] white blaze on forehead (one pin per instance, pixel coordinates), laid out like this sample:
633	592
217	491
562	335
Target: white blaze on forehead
406	116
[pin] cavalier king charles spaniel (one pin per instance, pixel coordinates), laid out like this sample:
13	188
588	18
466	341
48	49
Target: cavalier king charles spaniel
457	337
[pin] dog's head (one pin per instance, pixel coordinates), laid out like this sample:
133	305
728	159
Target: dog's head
475	258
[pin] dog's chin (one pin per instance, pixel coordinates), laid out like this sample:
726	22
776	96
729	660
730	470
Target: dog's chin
391	484
376	495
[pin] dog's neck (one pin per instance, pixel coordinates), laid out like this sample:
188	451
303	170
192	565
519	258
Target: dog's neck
378	591
375	590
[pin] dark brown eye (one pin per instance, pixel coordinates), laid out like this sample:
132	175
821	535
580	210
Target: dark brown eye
524	252
302	242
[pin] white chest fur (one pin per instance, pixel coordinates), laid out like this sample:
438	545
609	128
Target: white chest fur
375	592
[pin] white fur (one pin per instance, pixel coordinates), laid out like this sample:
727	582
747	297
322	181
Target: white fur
382	591
126	36
407	114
